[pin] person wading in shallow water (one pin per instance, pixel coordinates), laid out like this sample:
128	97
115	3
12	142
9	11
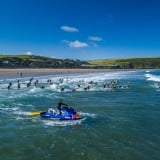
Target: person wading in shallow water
61	105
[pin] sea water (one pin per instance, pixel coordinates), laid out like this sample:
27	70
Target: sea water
120	109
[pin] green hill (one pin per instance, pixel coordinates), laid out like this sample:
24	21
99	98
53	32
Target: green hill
33	61
131	63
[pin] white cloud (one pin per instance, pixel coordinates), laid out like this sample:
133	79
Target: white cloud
95	38
77	44
69	29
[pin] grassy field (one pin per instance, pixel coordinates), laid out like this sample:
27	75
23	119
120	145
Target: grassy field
127	63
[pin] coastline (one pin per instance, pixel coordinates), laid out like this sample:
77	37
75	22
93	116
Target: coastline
41	71
25	72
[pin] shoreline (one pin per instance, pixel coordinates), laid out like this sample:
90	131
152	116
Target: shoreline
5	72
26	71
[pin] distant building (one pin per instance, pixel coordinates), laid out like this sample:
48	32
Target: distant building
5	62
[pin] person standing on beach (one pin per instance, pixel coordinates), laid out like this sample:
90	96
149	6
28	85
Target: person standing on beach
21	74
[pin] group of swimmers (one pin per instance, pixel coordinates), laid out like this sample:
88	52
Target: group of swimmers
81	84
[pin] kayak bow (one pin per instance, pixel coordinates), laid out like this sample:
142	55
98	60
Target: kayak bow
35	113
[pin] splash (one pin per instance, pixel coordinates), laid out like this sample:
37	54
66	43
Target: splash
62	123
64	83
152	77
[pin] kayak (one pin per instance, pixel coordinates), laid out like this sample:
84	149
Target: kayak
66	114
36	113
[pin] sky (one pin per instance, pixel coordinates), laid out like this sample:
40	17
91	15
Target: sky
80	29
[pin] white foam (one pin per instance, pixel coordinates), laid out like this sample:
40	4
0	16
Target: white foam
9	109
70	82
22	113
152	77
87	115
34	89
148	75
53	86
62	123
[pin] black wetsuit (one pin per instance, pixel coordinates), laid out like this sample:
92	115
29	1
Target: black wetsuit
59	107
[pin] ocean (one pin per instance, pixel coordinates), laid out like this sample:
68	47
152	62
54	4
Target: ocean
120	109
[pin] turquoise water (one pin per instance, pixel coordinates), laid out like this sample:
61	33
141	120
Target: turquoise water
120	123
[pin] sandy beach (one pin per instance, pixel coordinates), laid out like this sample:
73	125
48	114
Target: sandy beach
26	71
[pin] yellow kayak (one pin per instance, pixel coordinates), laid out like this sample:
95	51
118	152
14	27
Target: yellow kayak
35	113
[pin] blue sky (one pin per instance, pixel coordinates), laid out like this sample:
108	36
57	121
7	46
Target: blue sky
80	29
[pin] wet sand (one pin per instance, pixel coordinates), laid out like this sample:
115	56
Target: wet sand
26	71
